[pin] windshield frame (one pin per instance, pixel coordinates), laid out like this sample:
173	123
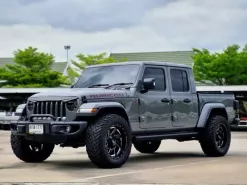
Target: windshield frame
107	65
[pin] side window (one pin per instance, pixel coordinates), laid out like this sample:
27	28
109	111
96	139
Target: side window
179	79
159	75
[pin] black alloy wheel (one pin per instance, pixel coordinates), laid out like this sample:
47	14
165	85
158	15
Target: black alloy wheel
116	141
221	136
215	138
109	141
36	147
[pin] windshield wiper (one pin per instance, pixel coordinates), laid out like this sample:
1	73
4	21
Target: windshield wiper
118	84
97	85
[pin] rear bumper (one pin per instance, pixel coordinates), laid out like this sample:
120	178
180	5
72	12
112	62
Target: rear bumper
48	131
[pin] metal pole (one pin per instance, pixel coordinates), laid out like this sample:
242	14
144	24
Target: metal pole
67	47
67	56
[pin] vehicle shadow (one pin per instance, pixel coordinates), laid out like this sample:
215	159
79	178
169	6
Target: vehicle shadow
238	129
160	156
133	160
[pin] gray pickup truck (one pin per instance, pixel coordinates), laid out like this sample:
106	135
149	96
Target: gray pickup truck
113	106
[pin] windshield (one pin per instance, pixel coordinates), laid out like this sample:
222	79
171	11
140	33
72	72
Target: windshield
108	75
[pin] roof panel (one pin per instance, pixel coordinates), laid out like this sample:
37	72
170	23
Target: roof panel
167	63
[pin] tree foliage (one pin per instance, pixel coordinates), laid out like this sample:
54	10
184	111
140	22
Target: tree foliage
226	68
31	69
88	60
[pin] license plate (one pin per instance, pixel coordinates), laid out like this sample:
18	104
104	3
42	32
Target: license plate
36	129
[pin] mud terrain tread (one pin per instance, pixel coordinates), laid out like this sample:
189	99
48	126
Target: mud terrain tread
207	136
20	148
96	134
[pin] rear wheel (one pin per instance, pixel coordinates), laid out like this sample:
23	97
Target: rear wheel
215	139
30	151
147	146
109	141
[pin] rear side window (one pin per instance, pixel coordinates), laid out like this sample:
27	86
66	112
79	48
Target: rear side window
179	79
159	75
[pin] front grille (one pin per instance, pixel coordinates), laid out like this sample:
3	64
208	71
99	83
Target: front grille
55	108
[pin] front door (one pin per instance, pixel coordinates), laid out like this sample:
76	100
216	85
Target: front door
181	97
155	108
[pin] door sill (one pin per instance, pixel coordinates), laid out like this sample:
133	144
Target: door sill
171	135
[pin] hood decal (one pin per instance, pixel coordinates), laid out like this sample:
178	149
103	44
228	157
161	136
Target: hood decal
107	95
92	93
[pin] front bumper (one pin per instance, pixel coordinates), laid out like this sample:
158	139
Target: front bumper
48	130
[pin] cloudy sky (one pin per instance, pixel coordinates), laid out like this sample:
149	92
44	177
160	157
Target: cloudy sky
92	26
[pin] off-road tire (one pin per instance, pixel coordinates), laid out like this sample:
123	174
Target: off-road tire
147	146
96	141
207	137
21	148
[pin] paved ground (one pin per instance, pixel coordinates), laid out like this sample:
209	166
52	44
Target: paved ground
179	163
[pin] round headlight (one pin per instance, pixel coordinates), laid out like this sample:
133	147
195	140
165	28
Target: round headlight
30	106
72	105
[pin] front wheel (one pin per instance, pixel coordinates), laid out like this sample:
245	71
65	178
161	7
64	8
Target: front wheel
215	139
109	141
30	151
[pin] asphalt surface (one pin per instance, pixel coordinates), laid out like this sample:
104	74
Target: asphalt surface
174	163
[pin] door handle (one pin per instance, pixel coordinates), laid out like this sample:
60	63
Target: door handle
187	100
165	100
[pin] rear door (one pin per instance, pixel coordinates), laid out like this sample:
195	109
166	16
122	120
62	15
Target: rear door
181	97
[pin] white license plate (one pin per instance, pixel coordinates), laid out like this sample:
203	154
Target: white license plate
36	129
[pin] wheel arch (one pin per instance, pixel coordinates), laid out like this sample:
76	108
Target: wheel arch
103	108
113	110
210	109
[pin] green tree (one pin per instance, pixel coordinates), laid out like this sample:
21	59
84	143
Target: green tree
226	68
31	69
88	60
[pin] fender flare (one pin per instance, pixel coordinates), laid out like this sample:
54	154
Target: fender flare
206	111
86	108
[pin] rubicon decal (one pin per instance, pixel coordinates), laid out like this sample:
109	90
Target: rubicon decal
106	95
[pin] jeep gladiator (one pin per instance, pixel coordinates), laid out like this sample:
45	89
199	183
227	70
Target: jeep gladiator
114	106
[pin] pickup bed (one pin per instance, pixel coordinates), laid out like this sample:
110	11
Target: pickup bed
113	106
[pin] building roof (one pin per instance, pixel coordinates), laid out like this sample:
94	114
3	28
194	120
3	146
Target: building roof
57	66
181	57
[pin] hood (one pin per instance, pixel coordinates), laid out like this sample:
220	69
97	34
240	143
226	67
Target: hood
89	93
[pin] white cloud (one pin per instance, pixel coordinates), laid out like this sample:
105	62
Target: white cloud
83	15
179	25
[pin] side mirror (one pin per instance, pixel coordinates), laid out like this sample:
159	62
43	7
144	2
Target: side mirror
73	85
149	83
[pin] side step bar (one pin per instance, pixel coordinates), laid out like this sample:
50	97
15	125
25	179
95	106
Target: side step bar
178	135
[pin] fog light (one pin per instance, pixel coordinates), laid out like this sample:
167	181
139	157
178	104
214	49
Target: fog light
68	129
